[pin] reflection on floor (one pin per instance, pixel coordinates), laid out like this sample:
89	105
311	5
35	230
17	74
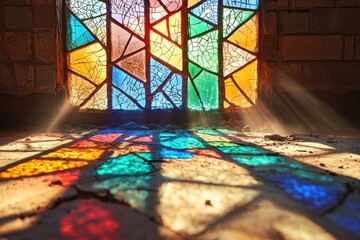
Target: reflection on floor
196	183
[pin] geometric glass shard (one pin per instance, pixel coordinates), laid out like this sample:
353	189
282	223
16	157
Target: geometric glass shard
246	35
247	4
240	88
89	62
78	35
198	26
208	11
203	50
98	27
235	57
233	18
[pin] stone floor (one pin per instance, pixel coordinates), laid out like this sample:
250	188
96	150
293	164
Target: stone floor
147	182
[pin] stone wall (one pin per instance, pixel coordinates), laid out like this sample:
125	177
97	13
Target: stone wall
314	43
28	63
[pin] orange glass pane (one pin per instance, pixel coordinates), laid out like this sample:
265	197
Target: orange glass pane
246	35
40	166
246	80
119	39
90	62
135	65
86	154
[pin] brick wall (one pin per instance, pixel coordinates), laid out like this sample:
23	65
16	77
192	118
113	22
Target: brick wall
28	60
315	43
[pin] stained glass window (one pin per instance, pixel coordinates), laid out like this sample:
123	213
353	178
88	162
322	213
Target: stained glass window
162	54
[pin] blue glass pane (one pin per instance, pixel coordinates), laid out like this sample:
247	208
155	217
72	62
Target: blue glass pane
248	4
208	10
132	87
159	73
78	35
160	102
173	88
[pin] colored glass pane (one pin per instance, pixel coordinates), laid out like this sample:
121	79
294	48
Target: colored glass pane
119	39
131	87
79	89
157	11
89	62
206	84
172	5
233	18
240	84
166	50
249	4
78	35
98	101
131	14
197	26
98	27
158	73
234	58
246	35
135	65
204	51
207	10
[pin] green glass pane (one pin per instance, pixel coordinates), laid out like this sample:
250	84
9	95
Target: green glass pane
203	50
197	26
233	18
193	99
207	85
193	69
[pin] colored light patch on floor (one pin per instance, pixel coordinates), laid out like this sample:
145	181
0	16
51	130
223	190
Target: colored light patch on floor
315	195
205	152
179	141
124	165
87	154
40	166
235	149
169	153
80	223
106	138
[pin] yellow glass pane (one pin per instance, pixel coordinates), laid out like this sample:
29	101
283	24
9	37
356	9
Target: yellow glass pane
246	79
162	27
89	62
99	101
192	3
175	27
166	50
246	35
40	166
86	154
79	88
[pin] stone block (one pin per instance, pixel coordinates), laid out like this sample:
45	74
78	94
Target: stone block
344	74
357	53
45	46
15	46
312	3
43	2
349	46
348	3
270	4
44	16
281	73
312	47
269	22
314	76
18	17
294	22
24	77
270	49
45	78
335	21
283	3
5	77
